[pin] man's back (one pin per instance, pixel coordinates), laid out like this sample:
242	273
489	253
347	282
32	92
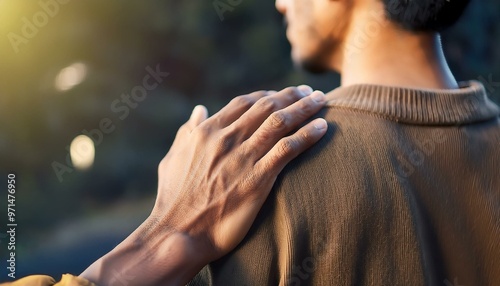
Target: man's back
403	190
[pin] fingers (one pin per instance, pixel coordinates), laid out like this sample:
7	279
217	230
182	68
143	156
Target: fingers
290	147
200	114
282	122
235	108
265	106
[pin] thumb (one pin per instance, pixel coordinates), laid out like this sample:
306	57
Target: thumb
199	114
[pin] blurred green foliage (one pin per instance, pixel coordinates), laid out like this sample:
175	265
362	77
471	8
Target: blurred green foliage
209	61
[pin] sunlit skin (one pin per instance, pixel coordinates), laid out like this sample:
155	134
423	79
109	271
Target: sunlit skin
211	185
354	38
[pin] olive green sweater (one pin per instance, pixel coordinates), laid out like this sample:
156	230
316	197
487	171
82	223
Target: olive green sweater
403	190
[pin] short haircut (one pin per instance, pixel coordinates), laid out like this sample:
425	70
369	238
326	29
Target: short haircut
424	15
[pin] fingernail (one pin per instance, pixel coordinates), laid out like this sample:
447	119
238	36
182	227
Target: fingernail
305	89
318	96
320	124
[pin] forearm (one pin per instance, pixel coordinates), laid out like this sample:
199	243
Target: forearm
165	258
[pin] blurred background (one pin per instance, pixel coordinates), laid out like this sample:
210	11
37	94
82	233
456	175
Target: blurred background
92	93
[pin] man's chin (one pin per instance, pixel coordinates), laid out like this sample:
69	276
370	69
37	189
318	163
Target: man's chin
314	66
315	59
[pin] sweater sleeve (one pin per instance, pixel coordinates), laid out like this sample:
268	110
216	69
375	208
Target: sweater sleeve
44	280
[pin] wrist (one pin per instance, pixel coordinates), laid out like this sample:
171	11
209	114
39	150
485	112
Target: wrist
151	255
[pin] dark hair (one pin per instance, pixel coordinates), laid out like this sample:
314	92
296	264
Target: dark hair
424	15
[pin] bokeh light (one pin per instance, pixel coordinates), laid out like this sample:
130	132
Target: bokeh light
82	152
70	76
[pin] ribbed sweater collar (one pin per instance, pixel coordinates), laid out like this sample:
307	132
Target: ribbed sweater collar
468	104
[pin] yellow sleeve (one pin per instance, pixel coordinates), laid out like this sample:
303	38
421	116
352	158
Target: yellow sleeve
44	280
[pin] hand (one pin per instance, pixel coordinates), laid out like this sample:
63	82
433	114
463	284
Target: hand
213	182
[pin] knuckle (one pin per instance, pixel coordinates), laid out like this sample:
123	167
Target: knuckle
183	129
266	104
264	136
306	106
249	181
293	91
278	120
224	143
201	133
248	152
254	96
286	147
305	137
242	100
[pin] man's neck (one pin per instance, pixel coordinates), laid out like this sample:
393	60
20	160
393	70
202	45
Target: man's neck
377	52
